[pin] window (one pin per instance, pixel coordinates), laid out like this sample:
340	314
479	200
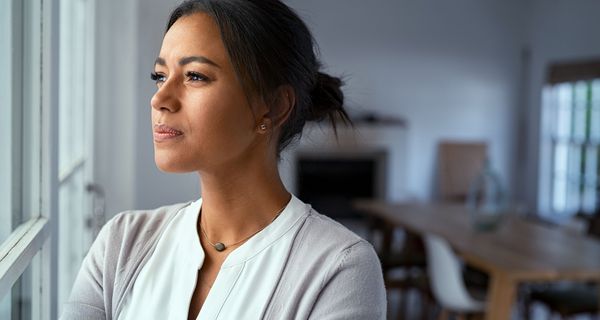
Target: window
27	158
46	151
572	103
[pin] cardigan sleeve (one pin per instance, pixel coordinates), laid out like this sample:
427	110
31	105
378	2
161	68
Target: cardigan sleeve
354	287
113	261
87	299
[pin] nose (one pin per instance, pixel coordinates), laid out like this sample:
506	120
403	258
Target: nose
165	99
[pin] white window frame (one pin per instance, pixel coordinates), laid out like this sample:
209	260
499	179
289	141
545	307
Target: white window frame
39	234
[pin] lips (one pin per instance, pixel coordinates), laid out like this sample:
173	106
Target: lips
164	132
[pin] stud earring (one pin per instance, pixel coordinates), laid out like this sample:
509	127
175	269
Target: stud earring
263	127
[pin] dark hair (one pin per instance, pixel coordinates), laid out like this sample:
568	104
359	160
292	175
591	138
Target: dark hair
270	46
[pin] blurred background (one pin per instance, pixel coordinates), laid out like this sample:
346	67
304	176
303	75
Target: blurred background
486	108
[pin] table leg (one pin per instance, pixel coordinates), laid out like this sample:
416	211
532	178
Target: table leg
501	296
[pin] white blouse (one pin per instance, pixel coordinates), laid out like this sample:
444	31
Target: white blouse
164	287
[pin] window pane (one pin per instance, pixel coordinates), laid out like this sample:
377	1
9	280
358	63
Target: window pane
590	178
565	109
579	110
31	107
6	142
595	114
75	139
73	241
19	303
20	123
560	177
74	79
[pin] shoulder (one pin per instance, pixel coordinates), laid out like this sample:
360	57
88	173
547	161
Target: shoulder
332	273
351	281
329	234
142	223
131	233
330	247
126	239
107	268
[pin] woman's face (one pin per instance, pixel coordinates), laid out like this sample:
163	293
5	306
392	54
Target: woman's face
200	114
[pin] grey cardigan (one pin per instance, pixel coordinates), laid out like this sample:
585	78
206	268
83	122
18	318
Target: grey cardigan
330	273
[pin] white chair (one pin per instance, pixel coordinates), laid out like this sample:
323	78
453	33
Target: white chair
446	280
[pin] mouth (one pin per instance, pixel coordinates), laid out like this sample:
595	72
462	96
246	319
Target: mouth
164	133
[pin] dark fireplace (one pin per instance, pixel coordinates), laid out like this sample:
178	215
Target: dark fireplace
330	182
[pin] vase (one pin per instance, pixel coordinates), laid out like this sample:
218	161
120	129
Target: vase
486	200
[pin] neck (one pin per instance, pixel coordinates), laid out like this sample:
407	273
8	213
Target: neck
237	203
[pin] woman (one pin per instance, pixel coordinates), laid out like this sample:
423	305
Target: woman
236	81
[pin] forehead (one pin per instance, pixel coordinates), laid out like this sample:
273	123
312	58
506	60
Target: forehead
191	35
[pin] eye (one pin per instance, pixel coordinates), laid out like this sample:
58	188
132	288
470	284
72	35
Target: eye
196	76
158	77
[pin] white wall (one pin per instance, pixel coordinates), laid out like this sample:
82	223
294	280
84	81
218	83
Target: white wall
454	70
128	39
451	68
560	31
115	99
154	188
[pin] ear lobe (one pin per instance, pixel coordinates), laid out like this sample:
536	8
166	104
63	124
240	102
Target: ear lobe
264	126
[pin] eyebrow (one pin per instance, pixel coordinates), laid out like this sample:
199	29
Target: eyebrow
187	60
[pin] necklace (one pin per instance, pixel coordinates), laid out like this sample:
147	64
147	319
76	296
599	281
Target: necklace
220	246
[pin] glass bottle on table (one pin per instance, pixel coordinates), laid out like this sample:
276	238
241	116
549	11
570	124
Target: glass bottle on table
486	200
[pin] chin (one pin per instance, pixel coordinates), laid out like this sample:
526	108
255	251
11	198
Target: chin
170	164
170	169
167	167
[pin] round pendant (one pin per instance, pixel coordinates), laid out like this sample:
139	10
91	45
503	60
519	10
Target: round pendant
219	246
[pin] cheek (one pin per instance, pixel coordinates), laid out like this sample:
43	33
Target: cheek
222	121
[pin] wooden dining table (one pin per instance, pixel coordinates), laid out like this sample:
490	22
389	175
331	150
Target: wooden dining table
517	251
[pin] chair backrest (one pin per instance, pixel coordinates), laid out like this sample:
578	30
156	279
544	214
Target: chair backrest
594	224
445	274
459	163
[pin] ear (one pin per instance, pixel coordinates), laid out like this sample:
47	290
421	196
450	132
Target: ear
283	104
277	112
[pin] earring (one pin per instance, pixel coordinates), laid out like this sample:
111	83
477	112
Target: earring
263	127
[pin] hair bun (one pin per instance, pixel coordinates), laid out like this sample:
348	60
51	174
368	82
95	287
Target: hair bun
327	98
